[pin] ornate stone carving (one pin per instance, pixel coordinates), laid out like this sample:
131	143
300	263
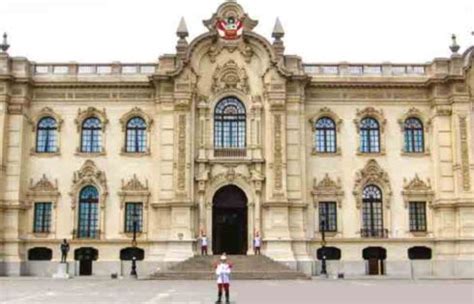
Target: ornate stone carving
327	190
466	178
181	160
372	174
230	76
244	49
326	112
417	190
89	174
278	153
414	112
44	190
134	191
91	112
373	113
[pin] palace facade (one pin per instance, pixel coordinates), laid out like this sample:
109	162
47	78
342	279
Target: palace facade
230	136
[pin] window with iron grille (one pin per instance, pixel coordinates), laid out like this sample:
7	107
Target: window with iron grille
136	137
325	135
91	138
88	213
133	216
328	216
230	124
414	136
417	216
46	135
369	136
42	218
372	211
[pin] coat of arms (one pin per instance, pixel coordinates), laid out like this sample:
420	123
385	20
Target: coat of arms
230	28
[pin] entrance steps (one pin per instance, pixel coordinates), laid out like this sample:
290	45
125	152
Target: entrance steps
244	268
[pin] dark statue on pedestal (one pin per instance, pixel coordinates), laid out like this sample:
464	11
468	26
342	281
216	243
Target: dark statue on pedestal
64	250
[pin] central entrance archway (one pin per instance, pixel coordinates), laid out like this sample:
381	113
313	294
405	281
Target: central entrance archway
229	221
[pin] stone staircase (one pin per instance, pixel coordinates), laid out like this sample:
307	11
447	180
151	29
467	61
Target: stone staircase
244	268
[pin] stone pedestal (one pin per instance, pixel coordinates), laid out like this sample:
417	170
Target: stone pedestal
62	272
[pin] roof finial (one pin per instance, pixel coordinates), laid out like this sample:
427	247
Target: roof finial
278	31
182	30
4	46
455	46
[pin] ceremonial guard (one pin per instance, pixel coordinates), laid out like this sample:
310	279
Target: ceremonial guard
257	243
223	271
204	244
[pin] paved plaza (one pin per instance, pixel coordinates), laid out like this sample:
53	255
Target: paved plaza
95	290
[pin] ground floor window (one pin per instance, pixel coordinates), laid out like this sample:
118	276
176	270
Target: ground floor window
40	254
133	216
420	253
417	216
42	218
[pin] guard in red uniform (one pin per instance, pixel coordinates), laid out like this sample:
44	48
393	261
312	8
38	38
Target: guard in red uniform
223	271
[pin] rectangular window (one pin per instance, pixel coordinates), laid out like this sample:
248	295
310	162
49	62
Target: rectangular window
133	216
328	214
42	218
418	216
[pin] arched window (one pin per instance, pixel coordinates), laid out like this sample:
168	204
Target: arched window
414	137
369	136
88	213
136	141
46	135
372	212
91	139
230	124
325	135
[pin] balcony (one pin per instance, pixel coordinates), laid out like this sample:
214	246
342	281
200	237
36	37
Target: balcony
86	234
230	153
374	233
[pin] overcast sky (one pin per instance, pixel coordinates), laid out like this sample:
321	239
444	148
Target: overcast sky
317	30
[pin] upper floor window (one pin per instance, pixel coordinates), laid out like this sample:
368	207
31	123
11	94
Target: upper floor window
136	136
91	139
325	135
230	124
372	212
88	213
46	135
369	135
414	136
42	218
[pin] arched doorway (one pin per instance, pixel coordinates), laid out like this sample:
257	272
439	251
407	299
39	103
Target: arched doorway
229	221
375	256
85	256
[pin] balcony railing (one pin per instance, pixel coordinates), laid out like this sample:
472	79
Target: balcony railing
230	153
352	70
86	234
374	233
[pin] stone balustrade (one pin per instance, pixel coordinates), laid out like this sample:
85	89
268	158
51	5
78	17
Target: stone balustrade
344	69
94	69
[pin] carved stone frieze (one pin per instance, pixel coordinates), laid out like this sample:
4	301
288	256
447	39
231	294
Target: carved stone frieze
373	113
417	190
465	169
327	190
89	175
44	190
228	77
134	191
181	158
91	112
43	113
278	153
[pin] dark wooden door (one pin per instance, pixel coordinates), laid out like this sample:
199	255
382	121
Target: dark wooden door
85	267
374	266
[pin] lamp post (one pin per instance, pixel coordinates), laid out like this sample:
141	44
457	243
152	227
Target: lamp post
323	248
133	272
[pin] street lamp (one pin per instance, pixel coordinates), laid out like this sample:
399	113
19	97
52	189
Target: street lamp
133	272
323	247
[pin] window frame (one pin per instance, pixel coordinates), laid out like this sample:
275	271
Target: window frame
367	134
140	135
414	214
128	221
328	140
331	217
91	230
236	128
50	132
372	212
46	222
414	137
96	131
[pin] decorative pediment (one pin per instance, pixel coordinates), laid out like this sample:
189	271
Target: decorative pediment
414	112
326	112
91	112
372	174
43	113
373	113
134	191
89	175
43	190
230	20
327	190
230	77
417	190
135	112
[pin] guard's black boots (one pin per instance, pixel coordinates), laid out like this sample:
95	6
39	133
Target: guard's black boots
219	298
227	301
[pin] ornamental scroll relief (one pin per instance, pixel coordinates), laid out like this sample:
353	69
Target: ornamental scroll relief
181	166
464	154
278	154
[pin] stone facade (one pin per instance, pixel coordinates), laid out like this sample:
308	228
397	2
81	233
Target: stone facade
283	175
